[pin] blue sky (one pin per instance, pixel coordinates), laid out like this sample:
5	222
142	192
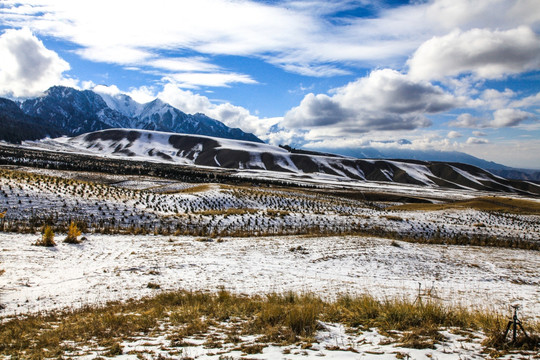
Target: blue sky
453	75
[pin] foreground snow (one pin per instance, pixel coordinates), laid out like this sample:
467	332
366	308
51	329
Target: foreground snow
107	268
333	342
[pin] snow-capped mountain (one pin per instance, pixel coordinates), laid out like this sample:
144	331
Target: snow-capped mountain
258	158
160	116
122	103
68	111
72	111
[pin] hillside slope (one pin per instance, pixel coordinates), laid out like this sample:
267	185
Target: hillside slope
17	126
243	155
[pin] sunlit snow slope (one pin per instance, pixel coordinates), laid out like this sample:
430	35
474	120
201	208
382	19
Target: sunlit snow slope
243	155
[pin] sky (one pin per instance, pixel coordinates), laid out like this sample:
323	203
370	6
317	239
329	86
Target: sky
451	75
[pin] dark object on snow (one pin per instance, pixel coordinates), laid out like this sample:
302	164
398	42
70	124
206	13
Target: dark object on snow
514	323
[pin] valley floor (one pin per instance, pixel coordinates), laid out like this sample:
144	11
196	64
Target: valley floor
145	236
121	267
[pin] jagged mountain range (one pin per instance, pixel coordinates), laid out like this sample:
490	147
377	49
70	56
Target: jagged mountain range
257	158
67	111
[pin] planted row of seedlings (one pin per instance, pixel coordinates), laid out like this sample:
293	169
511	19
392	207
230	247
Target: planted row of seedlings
32	201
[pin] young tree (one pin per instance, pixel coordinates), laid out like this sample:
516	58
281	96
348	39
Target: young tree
47	239
73	234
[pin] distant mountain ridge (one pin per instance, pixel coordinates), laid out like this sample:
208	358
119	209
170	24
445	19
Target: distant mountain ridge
258	159
437	155
67	111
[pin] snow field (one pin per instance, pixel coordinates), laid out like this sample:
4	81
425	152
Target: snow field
120	267
111	267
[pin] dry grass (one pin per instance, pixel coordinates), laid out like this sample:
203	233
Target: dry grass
190	190
491	203
275	318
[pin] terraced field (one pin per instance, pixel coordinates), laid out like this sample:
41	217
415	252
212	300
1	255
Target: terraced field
143	237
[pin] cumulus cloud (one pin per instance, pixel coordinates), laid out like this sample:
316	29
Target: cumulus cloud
27	67
482	52
384	100
142	94
467	120
185	100
418	140
508	118
494	99
231	115
454	135
521	154
451	14
477	141
533	100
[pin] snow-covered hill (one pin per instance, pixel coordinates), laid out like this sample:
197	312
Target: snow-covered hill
261	158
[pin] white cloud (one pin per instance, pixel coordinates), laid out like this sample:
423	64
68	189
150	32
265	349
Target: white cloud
108	90
477	141
193	80
184	100
27	67
479	133
519	154
508	118
533	100
482	52
142	94
384	100
494	99
195	64
116	54
231	115
136	33
467	120
301	36
418	140
501	14
313	70
454	135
